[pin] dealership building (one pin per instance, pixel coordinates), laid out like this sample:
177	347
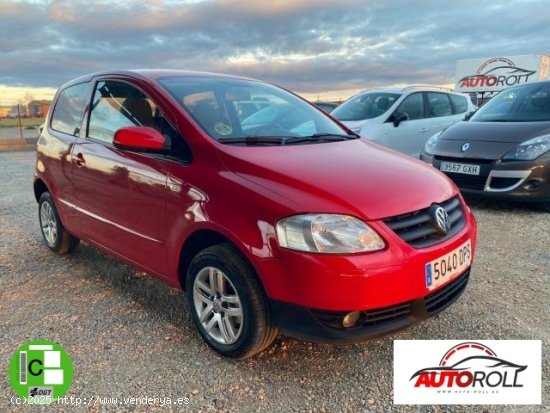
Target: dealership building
485	77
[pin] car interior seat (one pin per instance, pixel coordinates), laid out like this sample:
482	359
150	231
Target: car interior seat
139	111
209	116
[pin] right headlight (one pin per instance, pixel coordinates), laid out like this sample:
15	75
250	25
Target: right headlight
430	143
529	150
327	233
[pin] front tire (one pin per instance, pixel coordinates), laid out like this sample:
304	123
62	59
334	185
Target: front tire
54	233
227	304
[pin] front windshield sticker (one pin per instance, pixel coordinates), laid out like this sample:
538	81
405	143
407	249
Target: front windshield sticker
223	129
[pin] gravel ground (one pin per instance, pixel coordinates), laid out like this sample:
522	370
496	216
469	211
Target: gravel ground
130	335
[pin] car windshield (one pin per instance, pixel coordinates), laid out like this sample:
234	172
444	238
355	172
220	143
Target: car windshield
526	103
365	106
235	110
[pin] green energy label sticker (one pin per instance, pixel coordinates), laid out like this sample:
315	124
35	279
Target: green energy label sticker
41	369
223	128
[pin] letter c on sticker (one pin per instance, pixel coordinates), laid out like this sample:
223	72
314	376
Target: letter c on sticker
31	367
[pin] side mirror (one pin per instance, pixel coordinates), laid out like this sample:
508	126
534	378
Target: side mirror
399	117
468	115
140	139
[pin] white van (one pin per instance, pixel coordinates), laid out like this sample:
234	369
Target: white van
403	119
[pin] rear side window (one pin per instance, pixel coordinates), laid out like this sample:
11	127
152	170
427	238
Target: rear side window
460	103
439	105
67	114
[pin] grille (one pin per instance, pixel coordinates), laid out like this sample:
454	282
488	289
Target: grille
368	318
386	314
440	299
476	183
417	230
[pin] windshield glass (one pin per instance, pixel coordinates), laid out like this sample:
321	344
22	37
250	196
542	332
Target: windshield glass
526	103
365	106
234	108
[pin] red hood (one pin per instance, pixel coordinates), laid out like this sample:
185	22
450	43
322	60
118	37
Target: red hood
354	177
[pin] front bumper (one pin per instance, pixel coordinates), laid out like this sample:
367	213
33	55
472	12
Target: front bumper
359	282
522	181
326	326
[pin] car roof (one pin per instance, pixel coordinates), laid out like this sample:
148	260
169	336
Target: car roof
153	74
411	88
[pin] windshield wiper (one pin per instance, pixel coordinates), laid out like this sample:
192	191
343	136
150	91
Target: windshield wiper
320	137
254	140
283	140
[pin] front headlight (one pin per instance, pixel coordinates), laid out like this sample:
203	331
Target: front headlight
529	150
327	233
430	144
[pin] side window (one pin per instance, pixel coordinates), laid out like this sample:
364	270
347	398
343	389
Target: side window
118	104
460	103
413	106
439	104
67	113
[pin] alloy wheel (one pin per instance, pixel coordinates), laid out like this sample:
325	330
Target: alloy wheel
48	223
218	305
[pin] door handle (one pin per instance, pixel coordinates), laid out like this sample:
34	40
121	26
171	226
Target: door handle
79	160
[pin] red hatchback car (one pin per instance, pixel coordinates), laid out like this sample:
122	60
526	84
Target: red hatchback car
271	219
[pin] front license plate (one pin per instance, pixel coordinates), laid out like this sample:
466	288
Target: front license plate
447	267
459	168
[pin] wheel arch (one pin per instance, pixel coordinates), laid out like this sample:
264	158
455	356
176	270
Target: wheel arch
195	243
201	239
39	187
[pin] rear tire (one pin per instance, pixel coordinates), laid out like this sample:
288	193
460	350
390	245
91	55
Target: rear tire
54	233
227	304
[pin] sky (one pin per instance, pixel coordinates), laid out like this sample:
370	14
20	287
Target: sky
327	49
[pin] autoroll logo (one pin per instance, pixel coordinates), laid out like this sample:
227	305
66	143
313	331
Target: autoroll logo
498	72
470	365
467	372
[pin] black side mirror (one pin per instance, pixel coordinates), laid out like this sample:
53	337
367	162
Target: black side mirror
399	117
468	115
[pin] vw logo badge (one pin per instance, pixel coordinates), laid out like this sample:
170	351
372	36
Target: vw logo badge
465	147
440	220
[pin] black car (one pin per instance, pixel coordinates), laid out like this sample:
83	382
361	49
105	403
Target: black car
503	150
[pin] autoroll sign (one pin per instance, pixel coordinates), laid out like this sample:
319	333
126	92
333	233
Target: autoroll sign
497	73
467	372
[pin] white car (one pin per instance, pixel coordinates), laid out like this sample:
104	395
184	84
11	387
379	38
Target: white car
403	119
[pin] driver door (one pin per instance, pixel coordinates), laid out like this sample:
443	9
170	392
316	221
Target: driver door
121	195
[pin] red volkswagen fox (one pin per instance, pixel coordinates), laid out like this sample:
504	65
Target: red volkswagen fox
269	214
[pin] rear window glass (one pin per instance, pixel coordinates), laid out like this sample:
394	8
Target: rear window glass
67	114
460	103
